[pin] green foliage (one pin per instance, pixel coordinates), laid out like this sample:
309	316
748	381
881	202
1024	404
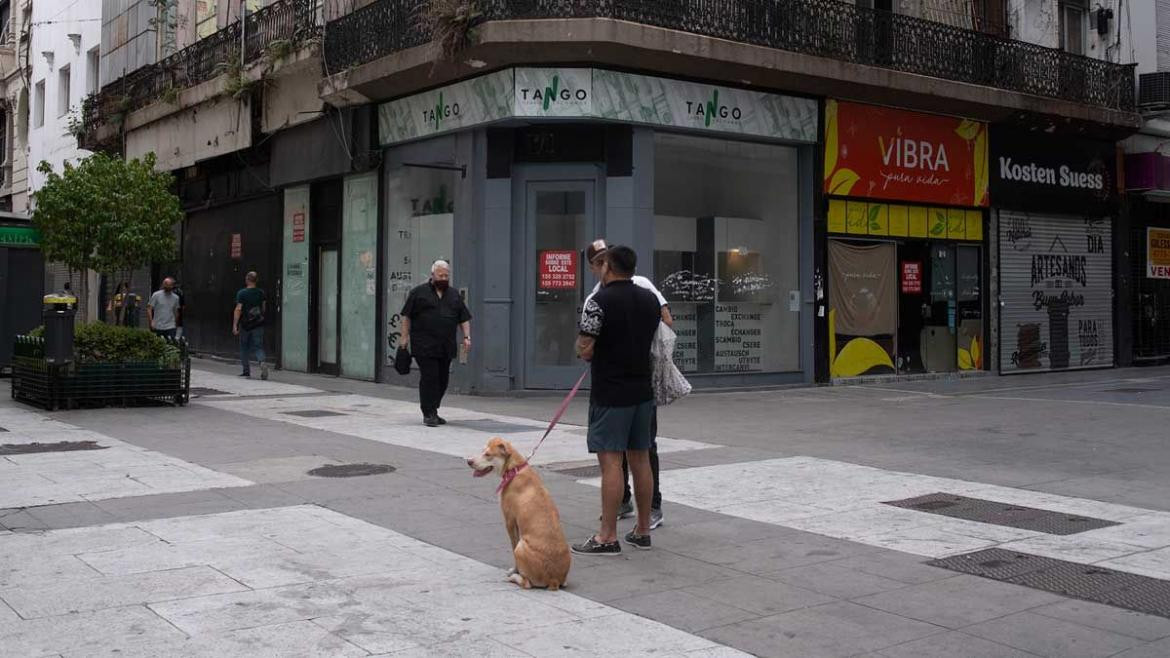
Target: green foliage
451	24
107	343
106	214
237	85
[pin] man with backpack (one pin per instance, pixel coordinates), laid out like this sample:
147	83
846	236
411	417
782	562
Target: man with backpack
248	324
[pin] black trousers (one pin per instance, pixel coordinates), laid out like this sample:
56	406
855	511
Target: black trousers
434	373
656	500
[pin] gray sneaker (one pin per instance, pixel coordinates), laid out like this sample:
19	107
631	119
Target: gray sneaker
655	518
263	371
625	511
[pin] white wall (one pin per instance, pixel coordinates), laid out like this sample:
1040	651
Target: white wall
1038	22
53	22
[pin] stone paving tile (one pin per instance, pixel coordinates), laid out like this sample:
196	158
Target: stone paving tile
684	610
835	580
62	597
958	602
89	633
1108	618
758	595
1159	649
834	629
71	515
613	635
1045	636
953	643
641	573
165	505
298	638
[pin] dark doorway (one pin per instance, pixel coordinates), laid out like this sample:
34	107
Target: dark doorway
325	272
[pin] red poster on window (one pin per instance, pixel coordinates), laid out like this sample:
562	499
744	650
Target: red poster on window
912	277
298	227
237	246
558	270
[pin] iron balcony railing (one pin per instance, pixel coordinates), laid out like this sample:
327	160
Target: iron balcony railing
822	28
294	21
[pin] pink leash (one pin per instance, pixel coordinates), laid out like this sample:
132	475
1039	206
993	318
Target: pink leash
560	412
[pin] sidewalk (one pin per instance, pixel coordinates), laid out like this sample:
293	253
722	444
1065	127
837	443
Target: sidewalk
777	540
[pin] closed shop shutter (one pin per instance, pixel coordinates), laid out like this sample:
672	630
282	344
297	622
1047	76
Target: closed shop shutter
1056	287
1162	18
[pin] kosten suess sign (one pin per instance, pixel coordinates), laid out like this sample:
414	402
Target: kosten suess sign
1040	172
882	153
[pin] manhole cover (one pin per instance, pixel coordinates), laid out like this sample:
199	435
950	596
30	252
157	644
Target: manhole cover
63	446
1091	583
1132	389
203	390
1005	514
492	426
581	471
351	470
314	413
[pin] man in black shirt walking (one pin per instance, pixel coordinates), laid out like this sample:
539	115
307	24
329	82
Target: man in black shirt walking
429	319
617	327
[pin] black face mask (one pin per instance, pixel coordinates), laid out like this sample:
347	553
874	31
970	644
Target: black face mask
441	286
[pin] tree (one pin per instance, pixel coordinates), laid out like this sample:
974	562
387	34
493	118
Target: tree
106	214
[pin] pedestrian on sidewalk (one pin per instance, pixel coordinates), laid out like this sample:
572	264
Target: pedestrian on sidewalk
123	308
594	255
163	309
430	316
617	327
182	310
248	324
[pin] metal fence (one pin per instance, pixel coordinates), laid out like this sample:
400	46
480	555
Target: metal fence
294	21
823	28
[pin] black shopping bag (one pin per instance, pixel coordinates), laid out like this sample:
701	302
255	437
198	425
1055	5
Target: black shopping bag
402	361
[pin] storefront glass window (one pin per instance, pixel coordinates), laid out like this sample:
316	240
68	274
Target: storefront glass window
421	219
726	252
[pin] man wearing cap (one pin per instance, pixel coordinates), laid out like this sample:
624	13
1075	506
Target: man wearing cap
430	316
594	254
617	329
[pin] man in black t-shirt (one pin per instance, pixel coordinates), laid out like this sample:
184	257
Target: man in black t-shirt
617	328
429	318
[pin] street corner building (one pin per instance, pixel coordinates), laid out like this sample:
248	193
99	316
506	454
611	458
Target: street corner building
821	191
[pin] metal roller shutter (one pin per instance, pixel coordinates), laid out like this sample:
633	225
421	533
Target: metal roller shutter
1162	18
1056	291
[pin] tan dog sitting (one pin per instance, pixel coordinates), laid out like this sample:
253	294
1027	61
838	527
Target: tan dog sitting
531	518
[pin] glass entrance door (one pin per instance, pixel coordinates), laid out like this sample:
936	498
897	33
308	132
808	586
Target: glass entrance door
560	222
327	306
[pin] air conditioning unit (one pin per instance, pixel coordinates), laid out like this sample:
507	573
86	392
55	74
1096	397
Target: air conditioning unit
1154	91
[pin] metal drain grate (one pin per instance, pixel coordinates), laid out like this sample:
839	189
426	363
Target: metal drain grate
203	390
492	426
1081	581
313	413
351	470
62	446
1005	514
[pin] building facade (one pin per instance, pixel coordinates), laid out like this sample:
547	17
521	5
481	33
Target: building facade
809	184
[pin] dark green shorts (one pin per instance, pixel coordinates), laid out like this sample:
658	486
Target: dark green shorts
618	429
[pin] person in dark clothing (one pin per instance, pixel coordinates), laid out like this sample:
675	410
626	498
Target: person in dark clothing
430	316
248	324
617	328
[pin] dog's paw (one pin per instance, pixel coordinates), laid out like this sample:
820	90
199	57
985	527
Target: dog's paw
512	572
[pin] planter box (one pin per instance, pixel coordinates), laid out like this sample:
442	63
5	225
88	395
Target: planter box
66	386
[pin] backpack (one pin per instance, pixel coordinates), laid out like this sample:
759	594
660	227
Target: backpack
253	317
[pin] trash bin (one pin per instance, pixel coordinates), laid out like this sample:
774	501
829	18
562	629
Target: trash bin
59	311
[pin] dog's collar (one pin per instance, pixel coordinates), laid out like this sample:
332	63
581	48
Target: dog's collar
510	475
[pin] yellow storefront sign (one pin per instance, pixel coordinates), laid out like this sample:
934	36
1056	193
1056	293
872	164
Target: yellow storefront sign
1158	253
883	219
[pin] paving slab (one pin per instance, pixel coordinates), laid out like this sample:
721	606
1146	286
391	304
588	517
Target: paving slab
953	643
1045	636
1108	618
958	602
684	610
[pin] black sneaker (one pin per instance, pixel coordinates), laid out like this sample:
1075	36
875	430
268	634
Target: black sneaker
431	421
440	419
640	542
245	374
593	547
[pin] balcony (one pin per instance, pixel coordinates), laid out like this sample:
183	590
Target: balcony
291	22
817	28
